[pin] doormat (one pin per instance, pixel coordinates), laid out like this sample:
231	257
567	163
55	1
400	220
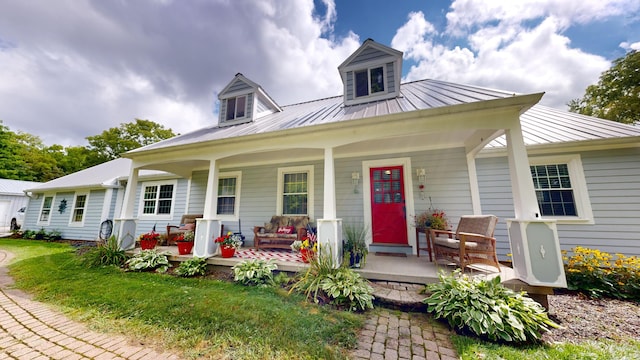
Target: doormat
271	254
380	253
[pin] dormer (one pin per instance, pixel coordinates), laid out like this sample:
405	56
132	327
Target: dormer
371	73
243	101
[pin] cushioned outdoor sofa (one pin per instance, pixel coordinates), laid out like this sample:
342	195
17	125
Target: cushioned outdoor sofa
280	232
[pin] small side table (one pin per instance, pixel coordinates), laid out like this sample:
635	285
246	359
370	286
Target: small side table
428	236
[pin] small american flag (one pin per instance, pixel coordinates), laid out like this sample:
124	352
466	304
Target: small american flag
311	234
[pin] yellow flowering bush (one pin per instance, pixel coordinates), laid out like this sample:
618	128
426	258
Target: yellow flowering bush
598	274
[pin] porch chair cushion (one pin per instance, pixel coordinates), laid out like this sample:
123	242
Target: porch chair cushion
187	223
471	243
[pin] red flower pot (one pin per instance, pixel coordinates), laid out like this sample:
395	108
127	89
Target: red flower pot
148	244
184	247
227	252
306	254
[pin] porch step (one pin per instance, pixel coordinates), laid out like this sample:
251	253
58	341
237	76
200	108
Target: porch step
399	296
390	249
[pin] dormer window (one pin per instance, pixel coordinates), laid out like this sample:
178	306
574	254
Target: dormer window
243	101
369	81
236	107
371	73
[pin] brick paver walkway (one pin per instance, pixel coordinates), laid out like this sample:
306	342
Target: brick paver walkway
31	330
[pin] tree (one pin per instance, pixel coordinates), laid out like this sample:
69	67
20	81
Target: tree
616	96
128	136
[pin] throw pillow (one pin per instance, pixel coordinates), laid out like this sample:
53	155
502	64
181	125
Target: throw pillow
285	230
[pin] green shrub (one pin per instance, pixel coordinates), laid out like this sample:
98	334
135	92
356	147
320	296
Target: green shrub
487	309
29	234
105	254
324	282
192	267
148	260
254	272
596	274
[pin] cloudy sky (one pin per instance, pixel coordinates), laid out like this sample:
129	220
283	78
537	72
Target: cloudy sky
73	68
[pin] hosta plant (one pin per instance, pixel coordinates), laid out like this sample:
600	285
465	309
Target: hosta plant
324	282
254	272
147	260
487	309
192	267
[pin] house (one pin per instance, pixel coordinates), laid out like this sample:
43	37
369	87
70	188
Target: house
82	205
380	153
13	201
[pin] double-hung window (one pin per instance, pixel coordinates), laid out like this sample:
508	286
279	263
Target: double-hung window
236	107
79	206
45	211
158	198
228	194
295	191
561	188
369	81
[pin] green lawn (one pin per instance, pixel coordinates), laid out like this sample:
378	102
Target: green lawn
202	318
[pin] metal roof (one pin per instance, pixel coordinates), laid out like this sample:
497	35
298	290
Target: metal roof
100	176
540	124
417	95
15	187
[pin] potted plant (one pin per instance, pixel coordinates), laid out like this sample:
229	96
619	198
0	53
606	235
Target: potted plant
228	244
149	240
433	218
308	249
185	242
355	245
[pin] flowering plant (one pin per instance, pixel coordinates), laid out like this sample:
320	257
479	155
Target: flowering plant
187	236
433	218
150	236
309	245
229	240
296	245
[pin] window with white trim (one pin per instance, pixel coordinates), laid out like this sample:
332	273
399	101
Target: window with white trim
79	206
561	188
236	107
295	191
369	81
158	198
45	210
228	194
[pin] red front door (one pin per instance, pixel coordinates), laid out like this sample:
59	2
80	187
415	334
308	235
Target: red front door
388	212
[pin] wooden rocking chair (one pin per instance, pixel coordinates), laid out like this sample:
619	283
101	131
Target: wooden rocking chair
471	243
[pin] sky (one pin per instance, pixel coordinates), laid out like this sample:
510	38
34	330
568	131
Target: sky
74	68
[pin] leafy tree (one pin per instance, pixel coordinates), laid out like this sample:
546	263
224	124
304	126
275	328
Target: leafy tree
128	136
11	163
616	96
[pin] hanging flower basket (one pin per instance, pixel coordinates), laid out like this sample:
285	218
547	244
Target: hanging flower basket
148	244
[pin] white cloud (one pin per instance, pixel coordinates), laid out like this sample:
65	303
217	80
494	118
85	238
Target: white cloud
627	46
516	46
76	68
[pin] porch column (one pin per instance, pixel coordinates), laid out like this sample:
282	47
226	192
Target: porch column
535	246
126	224
330	228
208	228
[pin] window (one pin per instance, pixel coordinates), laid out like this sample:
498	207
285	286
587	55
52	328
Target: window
236	107
560	188
158	198
79	206
369	81
228	194
45	211
295	191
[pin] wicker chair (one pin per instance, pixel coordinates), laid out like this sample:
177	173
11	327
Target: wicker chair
471	243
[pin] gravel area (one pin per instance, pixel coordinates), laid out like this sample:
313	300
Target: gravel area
589	319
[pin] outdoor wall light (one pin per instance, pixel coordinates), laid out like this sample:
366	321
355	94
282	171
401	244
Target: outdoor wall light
422	176
355	178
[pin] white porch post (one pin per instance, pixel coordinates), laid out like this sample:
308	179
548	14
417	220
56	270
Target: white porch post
330	228
208	228
535	246
126	224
